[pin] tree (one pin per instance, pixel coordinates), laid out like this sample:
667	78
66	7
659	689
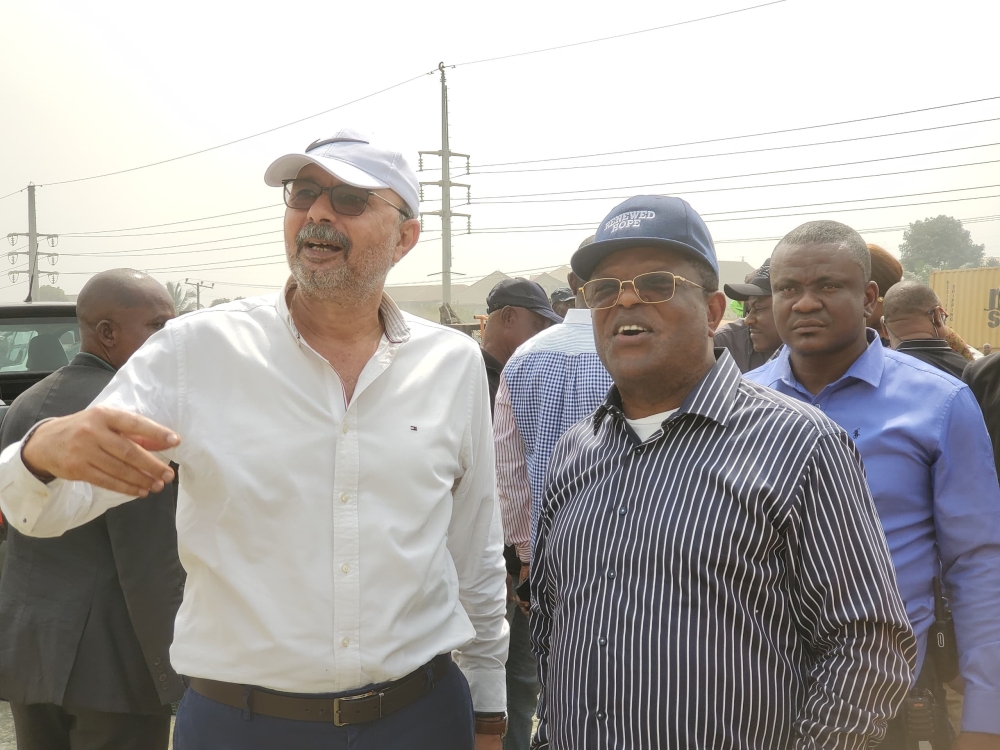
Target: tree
936	244
184	298
50	294
220	301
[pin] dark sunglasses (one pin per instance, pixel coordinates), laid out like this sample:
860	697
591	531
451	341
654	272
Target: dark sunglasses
651	288
344	199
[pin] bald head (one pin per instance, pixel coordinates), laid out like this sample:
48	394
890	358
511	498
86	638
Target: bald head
909	298
118	310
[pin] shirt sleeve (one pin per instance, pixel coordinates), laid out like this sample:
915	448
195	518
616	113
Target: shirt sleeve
967	524
513	485
846	602
475	540
146	385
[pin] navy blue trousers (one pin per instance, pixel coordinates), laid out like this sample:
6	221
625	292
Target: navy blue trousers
441	720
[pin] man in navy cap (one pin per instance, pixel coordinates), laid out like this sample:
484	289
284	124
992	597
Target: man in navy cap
752	339
562	300
517	309
708	569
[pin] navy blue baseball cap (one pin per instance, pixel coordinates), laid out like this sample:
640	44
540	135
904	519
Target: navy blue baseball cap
648	221
521	293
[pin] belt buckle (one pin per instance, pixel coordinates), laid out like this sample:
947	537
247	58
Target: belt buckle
337	701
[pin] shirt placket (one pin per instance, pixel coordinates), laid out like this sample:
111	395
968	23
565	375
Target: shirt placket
346	573
347	531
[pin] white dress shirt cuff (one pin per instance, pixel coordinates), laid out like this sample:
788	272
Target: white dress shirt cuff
488	688
23	496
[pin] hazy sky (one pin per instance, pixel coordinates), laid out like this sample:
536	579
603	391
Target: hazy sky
96	87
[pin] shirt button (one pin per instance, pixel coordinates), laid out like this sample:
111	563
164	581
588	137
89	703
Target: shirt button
346	642
344	428
163	678
611	574
602	641
156	661
345	498
346	568
622	511
601	715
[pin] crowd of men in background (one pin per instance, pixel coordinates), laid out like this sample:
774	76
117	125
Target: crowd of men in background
780	532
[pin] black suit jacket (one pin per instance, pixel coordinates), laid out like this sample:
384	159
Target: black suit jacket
86	619
983	377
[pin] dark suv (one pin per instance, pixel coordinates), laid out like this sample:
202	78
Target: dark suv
36	339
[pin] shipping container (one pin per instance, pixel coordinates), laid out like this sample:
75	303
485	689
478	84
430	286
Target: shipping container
971	297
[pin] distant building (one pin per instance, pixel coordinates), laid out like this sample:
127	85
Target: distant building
469	300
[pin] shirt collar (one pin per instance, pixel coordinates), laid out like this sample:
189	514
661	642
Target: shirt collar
923	344
396	329
713	397
86	359
867	368
577	316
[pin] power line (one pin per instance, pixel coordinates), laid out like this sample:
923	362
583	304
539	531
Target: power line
88	236
238	140
711	156
14	193
172	223
484	202
496	198
761	134
618	36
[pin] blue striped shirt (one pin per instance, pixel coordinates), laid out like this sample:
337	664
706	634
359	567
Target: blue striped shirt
929	463
724	584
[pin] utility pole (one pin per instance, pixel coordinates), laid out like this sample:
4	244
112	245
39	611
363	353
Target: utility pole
198	285
32	251
446	185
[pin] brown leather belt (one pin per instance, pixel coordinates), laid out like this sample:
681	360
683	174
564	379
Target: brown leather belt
348	709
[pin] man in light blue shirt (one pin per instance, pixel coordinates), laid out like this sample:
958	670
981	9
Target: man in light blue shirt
926	451
552	381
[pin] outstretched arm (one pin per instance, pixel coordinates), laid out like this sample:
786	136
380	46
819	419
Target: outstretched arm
69	470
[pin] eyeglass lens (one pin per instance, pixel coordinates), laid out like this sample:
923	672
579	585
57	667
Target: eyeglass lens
651	288
346	200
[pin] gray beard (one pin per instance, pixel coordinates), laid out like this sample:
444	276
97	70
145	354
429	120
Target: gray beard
349	284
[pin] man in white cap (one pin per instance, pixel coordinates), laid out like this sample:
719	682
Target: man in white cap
336	512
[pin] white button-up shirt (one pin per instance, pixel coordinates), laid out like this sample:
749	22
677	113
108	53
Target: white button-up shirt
328	546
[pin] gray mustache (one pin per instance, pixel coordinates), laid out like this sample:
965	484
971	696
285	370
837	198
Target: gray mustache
322	233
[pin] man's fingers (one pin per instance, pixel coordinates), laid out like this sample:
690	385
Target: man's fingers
99	478
144	431
134	459
114	466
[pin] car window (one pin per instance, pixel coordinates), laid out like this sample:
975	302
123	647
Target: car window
58	341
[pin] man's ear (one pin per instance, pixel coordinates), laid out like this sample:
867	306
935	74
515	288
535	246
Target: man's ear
871	298
409	233
716	306
574	282
107	333
509	316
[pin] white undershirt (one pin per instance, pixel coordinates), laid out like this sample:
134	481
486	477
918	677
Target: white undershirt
647	426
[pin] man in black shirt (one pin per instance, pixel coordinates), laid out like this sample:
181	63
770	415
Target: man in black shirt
912	319
752	339
517	309
708	569
983	377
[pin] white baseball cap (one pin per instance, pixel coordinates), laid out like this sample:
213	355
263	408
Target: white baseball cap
351	158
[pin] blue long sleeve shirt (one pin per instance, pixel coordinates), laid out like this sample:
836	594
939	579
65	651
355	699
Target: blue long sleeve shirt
929	464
